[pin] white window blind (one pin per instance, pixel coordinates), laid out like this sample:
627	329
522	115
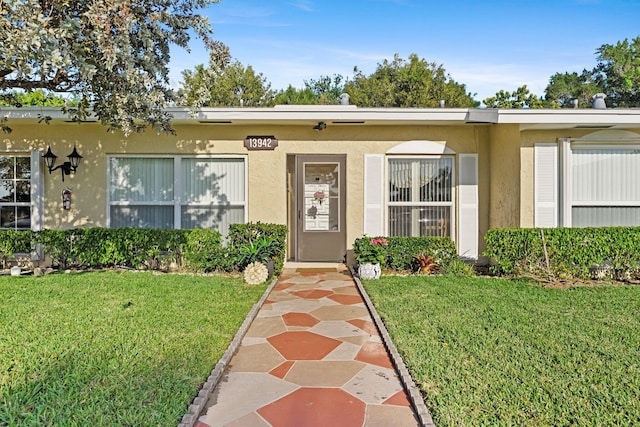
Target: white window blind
605	188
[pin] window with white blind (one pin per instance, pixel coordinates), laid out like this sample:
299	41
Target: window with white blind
605	186
177	192
420	198
15	192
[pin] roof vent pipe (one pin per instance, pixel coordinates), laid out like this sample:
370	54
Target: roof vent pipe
344	99
575	103
442	103
598	101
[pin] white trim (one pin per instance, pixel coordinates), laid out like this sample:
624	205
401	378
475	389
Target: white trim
374	195
546	183
468	210
421	147
37	192
564	174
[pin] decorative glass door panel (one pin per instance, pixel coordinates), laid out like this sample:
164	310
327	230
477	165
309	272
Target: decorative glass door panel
322	197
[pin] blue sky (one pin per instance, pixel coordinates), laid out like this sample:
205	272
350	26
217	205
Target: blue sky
486	45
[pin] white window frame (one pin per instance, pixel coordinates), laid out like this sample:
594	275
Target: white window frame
178	201
35	185
451	204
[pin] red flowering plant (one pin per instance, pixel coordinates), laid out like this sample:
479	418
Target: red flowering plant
371	250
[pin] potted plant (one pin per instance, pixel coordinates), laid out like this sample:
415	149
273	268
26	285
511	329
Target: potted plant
371	255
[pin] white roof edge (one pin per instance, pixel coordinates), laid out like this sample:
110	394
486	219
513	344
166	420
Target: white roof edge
378	115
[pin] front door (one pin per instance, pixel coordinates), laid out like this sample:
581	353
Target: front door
320	204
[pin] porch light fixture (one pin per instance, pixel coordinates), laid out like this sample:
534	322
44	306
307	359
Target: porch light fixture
67	168
320	126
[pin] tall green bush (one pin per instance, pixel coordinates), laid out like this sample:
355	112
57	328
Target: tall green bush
243	240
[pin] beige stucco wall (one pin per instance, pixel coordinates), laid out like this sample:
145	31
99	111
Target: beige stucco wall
267	180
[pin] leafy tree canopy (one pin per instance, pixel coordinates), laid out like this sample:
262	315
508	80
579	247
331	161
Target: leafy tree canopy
564	88
519	98
34	98
617	75
113	54
407	83
619	71
324	90
295	96
226	83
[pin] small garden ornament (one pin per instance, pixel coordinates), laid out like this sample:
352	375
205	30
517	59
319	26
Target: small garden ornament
256	273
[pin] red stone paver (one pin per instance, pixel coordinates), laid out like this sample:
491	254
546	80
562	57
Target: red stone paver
299	319
315	407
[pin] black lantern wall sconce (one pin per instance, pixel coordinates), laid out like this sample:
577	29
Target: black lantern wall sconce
67	167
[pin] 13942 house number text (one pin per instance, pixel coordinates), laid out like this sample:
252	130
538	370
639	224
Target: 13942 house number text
260	142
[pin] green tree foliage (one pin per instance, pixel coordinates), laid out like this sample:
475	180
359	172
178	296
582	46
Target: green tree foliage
226	83
327	89
35	98
619	68
617	75
113	54
407	83
519	98
564	88
295	96
324	90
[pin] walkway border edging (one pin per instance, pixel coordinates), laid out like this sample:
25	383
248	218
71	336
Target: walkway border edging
424	417
199	402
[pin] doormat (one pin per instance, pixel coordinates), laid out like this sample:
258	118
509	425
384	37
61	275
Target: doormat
316	270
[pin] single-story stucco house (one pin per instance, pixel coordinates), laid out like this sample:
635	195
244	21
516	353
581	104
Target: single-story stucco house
330	173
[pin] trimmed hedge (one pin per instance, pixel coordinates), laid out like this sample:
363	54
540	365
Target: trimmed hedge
571	252
112	247
14	241
400	251
196	250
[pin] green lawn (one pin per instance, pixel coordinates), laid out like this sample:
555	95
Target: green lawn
489	351
112	348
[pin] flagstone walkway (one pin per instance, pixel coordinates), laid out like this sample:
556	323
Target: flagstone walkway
311	357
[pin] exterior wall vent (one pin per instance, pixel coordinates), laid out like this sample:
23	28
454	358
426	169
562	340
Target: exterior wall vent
598	101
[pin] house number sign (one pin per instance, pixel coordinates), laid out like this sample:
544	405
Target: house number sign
260	142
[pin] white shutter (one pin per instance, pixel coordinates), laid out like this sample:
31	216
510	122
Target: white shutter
468	206
546	185
374	194
37	193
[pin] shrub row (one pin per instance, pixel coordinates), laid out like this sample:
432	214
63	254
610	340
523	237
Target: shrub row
198	249
398	253
564	252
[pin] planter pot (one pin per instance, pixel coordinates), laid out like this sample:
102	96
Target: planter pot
369	271
270	267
